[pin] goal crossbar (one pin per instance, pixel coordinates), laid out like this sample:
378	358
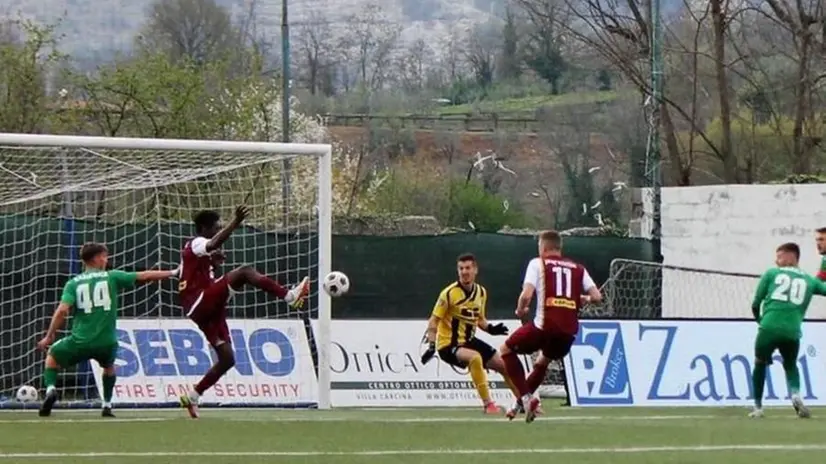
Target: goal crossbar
323	205
131	143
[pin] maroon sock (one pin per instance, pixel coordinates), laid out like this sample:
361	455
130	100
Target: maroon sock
268	285
536	377
516	372
210	378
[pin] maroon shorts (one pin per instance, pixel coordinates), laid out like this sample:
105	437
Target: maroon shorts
529	339
210	313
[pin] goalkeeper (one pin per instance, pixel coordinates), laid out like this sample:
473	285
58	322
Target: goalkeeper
784	292
451	330
92	300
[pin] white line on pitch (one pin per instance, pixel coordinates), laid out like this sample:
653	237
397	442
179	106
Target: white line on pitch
435	451
480	419
85	421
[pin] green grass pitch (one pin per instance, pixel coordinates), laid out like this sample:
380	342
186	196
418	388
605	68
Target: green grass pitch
431	436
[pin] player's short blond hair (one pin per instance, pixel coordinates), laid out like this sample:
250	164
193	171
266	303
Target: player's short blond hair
551	239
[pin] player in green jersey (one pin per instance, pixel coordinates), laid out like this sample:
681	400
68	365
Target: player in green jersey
784	292
91	298
820	241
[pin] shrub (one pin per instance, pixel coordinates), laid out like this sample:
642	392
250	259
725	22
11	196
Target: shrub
420	188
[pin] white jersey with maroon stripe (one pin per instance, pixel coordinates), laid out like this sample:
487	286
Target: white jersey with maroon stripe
560	284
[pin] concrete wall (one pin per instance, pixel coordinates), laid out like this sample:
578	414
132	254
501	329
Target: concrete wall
730	228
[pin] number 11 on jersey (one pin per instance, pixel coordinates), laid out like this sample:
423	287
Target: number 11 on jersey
562	280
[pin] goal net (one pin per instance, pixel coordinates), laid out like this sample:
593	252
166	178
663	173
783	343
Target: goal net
641	290
138	197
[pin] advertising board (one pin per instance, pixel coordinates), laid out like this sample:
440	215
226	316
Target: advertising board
684	363
377	363
160	359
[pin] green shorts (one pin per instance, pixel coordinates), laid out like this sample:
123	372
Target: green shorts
766	342
68	352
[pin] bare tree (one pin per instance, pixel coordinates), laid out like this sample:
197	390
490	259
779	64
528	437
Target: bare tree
720	20
804	23
543	51
510	62
453	56
317	55
778	127
198	30
260	43
690	87
412	65
372	38
481	51
26	57
620	32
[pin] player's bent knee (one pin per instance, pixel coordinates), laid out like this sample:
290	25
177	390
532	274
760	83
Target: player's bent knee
109	371
465	355
226	357
496	364
504	350
51	362
240	275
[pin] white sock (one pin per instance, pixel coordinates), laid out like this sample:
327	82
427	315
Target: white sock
107	404
526	400
50	389
290	296
194	396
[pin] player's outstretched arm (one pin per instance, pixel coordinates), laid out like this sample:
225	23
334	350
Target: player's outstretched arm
215	242
58	320
594	295
154	276
493	329
820	288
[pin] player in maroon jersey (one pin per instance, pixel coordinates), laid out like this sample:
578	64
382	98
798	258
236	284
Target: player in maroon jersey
205	298
561	287
820	241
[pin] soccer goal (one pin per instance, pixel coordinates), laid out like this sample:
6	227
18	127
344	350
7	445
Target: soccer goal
138	197
642	290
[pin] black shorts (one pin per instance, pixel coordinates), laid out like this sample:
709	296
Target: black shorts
448	353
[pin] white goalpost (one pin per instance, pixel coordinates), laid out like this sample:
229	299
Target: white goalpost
138	197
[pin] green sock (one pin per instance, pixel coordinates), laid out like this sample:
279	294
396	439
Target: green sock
108	387
792	377
758	381
50	377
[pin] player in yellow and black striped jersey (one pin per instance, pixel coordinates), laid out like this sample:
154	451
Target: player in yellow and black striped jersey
451	331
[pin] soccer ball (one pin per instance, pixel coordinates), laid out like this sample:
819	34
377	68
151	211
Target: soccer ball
26	394
336	284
